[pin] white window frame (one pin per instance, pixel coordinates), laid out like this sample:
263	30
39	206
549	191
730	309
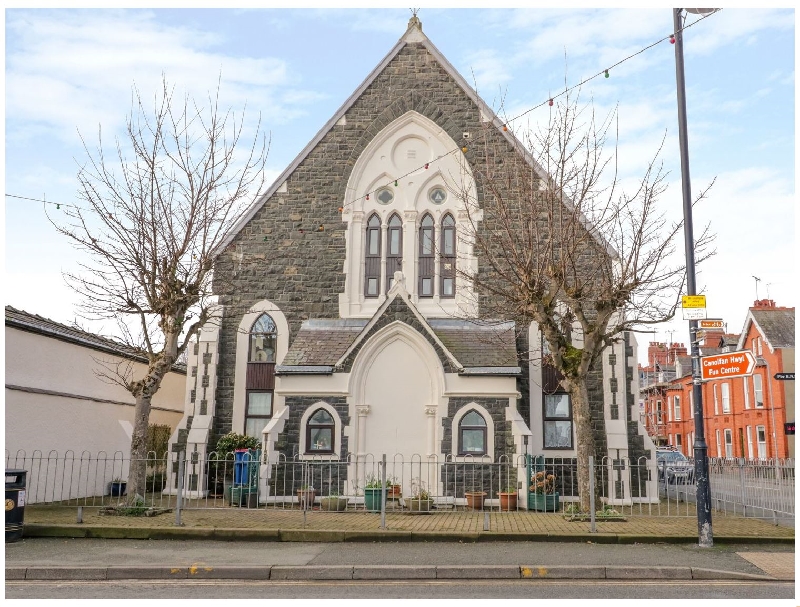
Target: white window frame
691	403
689	445
669	408
716	399
728	443
719	444
758	388
746	387
678	442
659	412
489	457
762	444
676	401
337	437
749	430
725	390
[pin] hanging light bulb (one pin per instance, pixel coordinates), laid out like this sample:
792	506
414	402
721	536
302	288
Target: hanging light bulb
426	165
505	128
395	183
606	73
341	209
58	206
367	196
464	149
321	228
550	103
672	38
265	239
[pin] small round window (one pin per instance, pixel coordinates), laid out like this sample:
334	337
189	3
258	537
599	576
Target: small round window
437	195
384	196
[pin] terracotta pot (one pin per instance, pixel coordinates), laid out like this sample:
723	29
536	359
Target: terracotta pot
508	501
306	498
394	491
475	499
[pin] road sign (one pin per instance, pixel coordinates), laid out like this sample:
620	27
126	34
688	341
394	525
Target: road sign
785	376
693	301
722	366
711	323
693	313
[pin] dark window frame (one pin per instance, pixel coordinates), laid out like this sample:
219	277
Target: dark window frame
372	261
426	261
484	428
570	419
273	335
394	261
310	425
445	258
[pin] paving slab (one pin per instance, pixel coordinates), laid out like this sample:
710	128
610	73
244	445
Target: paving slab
649	573
230	572
394	572
65	573
15	573
146	572
311	572
472	572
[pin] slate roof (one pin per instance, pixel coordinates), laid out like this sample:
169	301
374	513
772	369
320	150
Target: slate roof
483	344
322	342
33	323
776	324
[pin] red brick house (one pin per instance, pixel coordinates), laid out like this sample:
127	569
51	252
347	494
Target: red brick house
744	416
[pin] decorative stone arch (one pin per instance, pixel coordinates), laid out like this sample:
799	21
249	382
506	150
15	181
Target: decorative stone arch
399	153
242	347
487	417
337	432
427	411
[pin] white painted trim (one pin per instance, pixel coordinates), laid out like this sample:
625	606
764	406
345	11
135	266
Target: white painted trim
242	346
337	445
489	457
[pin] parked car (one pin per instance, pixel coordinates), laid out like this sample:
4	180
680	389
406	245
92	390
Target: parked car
675	466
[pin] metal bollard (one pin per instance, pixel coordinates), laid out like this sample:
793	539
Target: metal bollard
181	460
592	528
383	491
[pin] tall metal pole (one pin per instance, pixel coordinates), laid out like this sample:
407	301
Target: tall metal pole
704	530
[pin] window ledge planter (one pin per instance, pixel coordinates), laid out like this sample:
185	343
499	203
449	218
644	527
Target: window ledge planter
475	499
543	502
333	504
508	501
419	505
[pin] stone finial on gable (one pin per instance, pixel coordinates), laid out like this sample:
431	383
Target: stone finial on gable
414	31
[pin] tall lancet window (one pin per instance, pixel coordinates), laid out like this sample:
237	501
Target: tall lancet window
394	249
447	261
426	257
372	257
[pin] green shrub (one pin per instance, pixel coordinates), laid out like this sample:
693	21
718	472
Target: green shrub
232	441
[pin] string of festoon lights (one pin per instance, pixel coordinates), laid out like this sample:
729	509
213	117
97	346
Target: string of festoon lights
605	73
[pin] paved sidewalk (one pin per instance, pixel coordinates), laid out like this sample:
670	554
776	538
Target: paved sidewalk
294	525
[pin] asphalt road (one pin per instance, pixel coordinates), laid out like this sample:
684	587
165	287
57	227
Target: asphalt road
439	589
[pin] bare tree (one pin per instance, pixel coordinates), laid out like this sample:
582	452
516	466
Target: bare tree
150	221
560	244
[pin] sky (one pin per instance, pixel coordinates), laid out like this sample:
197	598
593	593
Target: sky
69	73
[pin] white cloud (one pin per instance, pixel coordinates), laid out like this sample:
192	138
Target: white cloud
71	69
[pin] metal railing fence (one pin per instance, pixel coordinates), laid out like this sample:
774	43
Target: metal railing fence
753	488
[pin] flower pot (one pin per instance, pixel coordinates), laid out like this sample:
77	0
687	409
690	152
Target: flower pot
306	498
543	502
508	501
418	505
333	504
372	499
394	491
117	488
475	499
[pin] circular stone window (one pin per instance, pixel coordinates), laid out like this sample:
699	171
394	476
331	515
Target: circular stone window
437	195
384	196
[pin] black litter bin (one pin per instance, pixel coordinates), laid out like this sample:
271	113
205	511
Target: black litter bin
15	503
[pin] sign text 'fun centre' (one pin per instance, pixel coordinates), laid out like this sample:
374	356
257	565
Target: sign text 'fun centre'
721	366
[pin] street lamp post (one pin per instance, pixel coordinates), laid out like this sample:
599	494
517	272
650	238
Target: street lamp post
704	529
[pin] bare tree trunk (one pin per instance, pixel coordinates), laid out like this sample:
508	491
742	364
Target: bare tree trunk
584	436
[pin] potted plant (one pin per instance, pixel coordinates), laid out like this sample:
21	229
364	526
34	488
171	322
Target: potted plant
475	499
393	488
221	462
543	495
333	502
117	487
508	499
305	496
372	493
421	499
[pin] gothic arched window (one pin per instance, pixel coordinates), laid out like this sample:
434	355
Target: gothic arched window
394	249
320	432
447	260
372	257
472	434
426	256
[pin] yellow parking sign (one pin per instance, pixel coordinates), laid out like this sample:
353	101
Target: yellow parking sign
694	301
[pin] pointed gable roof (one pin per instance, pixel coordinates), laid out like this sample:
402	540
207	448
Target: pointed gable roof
413	35
462	346
775	324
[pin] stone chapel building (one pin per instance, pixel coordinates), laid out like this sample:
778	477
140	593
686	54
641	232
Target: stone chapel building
347	330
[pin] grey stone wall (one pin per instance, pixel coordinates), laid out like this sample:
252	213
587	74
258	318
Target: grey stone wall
286	259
